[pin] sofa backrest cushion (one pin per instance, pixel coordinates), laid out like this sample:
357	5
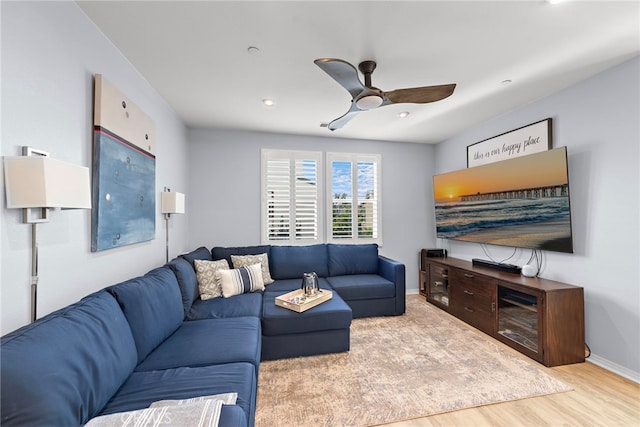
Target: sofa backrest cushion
219	252
63	369
200	253
153	307
352	259
291	262
187	281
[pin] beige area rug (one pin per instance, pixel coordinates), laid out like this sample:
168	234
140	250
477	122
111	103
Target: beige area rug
423	363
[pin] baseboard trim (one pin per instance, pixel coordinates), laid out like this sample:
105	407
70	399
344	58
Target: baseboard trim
615	368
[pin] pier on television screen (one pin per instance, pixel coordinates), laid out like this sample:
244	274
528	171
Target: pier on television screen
521	202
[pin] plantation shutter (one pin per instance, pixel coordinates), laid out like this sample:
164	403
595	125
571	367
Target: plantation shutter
353	188
291	191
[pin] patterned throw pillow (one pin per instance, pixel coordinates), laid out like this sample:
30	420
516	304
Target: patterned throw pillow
206	274
245	260
205	413
241	280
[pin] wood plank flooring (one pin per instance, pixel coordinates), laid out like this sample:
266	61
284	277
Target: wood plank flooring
599	398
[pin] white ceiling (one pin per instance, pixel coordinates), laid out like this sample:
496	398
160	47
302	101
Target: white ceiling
195	54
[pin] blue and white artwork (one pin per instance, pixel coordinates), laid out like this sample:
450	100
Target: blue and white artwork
124	208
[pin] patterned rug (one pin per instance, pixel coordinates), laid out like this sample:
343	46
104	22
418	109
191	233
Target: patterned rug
423	363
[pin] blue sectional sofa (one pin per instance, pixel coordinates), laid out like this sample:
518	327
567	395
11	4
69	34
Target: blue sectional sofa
152	338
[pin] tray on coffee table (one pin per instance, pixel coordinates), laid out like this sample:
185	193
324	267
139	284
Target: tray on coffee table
302	303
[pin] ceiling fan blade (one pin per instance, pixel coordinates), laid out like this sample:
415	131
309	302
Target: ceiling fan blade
420	95
342	72
343	120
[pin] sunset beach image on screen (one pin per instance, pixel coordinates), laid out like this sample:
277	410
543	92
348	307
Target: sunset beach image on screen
521	202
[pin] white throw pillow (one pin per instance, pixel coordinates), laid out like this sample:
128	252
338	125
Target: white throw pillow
226	398
241	280
204	413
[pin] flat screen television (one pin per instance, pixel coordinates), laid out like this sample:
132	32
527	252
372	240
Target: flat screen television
521	202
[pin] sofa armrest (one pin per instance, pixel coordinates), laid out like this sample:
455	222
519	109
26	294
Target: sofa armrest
394	272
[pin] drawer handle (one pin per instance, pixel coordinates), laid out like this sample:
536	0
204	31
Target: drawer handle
469	309
468	292
469	276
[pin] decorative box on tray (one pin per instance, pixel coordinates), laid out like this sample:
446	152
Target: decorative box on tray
298	301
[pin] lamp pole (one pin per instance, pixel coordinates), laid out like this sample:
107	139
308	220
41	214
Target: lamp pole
34	271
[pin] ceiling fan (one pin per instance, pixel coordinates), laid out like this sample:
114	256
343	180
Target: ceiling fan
367	97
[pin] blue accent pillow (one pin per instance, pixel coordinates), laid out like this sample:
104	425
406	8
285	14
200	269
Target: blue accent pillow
152	305
187	280
353	259
291	262
200	253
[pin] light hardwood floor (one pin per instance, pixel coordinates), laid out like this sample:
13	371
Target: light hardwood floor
598	398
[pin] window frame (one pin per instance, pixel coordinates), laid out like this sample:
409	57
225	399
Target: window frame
354	159
292	156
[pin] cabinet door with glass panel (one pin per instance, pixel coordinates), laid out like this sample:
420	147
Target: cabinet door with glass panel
438	284
519	320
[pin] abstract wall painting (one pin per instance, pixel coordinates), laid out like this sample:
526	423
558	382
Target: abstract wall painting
124	208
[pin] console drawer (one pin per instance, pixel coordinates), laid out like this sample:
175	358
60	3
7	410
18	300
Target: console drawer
472	299
473	282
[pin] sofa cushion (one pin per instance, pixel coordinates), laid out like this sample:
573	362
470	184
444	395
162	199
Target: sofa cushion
187	280
352	259
220	252
208	342
288	285
62	369
362	286
200	253
291	262
241	280
208	284
153	307
330	315
262	259
219	308
144	388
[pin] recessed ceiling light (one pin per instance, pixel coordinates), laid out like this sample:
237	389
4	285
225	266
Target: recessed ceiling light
268	102
252	50
403	114
555	1
505	82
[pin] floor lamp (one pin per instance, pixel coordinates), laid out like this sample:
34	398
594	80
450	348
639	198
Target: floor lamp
172	203
35	183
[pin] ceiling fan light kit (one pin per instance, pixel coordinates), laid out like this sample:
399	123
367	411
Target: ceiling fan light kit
367	97
369	102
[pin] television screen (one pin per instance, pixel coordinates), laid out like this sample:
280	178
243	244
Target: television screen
521	202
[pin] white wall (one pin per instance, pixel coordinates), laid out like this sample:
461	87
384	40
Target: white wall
598	121
224	189
50	52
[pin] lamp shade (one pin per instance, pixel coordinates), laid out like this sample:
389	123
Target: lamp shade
172	202
43	182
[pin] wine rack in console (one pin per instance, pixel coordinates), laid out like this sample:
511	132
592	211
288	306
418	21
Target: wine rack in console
542	319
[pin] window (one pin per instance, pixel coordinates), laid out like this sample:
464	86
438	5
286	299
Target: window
291	197
353	189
